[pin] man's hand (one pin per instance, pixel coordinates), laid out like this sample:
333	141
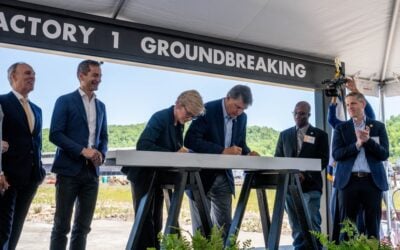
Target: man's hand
4	146
89	153
234	150
93	155
97	160
4	185
362	137
364	134
351	85
183	150
253	153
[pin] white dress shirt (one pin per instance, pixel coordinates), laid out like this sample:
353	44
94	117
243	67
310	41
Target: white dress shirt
90	108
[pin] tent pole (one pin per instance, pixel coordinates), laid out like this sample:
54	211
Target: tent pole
388	50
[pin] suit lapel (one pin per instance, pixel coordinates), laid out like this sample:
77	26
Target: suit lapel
171	129
37	119
234	131
350	131
310	132
99	117
79	105
293	134
20	110
221	123
368	123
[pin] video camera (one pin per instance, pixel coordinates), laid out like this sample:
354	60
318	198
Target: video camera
333	85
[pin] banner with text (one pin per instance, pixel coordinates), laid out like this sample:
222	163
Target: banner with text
107	38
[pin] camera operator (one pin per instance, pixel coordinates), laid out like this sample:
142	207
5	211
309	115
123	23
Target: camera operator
351	87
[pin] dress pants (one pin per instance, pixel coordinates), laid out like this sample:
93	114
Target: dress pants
312	200
79	191
153	223
219	202
14	206
361	192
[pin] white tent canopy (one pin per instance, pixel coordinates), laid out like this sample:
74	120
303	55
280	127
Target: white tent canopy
365	34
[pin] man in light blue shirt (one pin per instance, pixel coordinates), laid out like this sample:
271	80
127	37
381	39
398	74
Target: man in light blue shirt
360	145
222	130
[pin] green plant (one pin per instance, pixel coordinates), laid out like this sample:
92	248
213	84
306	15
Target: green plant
199	242
355	240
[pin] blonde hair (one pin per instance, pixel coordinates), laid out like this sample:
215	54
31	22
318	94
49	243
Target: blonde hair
192	101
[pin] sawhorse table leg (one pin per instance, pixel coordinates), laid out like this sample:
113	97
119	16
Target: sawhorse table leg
302	215
144	205
240	209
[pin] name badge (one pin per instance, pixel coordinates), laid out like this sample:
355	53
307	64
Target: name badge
309	139
375	138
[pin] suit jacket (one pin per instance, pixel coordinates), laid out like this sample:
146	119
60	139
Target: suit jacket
344	151
22	162
69	131
287	147
206	135
160	134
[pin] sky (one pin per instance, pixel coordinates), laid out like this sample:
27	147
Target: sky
132	94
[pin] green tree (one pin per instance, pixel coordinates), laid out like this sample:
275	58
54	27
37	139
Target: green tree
261	139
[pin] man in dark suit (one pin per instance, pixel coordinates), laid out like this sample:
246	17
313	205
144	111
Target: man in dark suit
163	132
304	141
3	182
79	130
222	130
22	170
360	145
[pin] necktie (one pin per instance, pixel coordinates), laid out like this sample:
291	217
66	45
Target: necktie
28	113
300	139
228	131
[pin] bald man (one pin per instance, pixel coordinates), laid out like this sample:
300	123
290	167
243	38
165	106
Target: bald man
304	141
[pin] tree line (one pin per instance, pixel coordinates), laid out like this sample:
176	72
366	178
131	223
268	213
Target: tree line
260	139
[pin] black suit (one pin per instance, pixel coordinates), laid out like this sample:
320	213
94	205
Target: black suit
21	165
287	147
315	145
160	134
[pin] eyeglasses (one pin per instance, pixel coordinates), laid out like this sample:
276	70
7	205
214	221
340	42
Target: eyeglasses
189	115
300	113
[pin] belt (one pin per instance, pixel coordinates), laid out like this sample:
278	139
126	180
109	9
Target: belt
360	174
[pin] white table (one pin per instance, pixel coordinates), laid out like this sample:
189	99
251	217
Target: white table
261	172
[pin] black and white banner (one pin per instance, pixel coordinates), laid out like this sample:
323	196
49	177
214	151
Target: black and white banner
30	25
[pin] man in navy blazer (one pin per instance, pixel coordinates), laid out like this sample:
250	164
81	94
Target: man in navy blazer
21	163
304	141
79	130
360	145
222	130
164	133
